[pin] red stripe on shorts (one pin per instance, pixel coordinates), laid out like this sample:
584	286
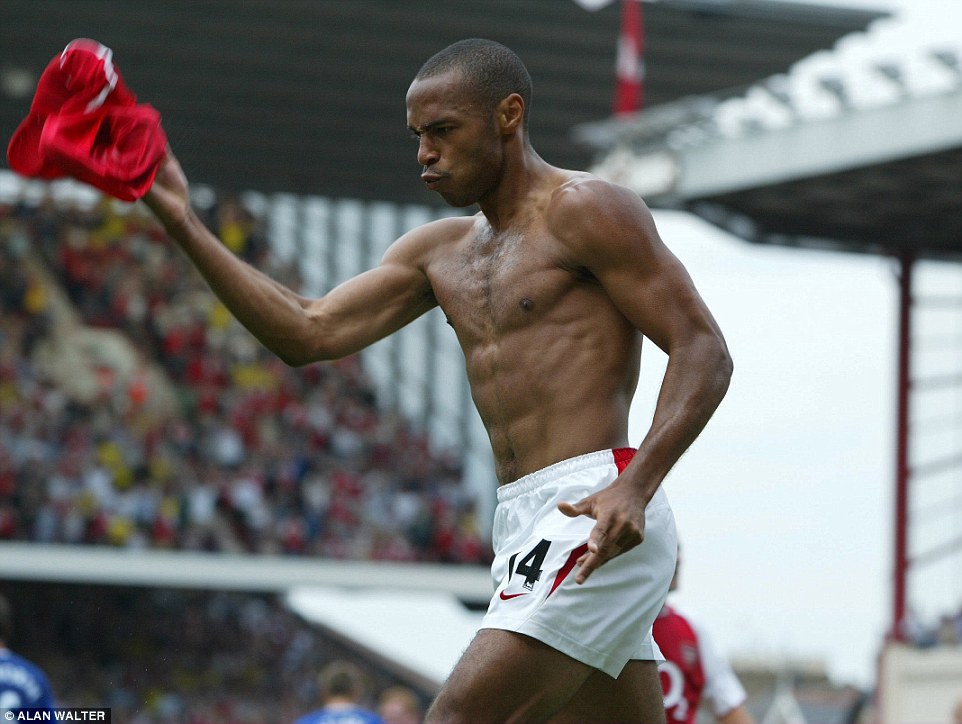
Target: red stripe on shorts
623	456
568	566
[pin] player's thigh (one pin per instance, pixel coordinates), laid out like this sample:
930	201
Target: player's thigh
635	697
506	677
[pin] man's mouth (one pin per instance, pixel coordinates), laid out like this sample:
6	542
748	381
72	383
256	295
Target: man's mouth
431	180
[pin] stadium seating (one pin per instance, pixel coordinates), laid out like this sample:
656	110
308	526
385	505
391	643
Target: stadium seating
137	413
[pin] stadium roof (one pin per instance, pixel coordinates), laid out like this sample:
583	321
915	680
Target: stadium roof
852	154
308	96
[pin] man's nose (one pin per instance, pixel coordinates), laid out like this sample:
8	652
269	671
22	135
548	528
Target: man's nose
427	154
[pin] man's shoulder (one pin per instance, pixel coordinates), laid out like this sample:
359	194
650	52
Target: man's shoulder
314	717
438	232
595	218
449	228
418	246
692	618
24	674
678	621
9	657
350	715
583	199
578	188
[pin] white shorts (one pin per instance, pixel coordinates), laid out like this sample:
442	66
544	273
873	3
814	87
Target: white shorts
605	621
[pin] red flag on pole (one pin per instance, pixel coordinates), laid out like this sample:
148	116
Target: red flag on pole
630	64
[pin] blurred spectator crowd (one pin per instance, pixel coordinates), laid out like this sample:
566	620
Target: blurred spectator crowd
156	656
248	455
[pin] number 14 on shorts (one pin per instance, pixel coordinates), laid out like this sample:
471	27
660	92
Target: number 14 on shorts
526	569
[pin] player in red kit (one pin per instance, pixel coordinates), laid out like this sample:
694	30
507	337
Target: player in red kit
693	669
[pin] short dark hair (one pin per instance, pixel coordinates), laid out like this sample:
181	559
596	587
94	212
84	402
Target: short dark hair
6	620
494	70
341	678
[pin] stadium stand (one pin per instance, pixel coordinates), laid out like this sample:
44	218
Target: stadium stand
157	655
135	413
251	457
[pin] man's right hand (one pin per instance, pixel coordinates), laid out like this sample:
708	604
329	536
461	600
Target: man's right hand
169	197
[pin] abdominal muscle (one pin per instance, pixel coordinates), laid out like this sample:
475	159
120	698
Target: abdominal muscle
552	363
546	395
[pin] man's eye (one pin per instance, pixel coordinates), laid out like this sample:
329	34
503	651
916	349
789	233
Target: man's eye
435	132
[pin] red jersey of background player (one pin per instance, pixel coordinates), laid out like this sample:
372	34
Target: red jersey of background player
692	669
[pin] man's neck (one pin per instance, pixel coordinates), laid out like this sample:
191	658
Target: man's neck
512	196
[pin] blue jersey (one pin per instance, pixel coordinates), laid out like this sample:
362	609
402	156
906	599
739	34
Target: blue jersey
22	684
341	715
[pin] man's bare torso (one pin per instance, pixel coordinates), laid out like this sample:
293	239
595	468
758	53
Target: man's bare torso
552	363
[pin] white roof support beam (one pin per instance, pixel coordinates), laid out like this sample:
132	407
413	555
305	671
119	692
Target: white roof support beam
855	138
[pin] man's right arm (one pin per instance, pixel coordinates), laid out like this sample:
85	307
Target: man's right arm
299	330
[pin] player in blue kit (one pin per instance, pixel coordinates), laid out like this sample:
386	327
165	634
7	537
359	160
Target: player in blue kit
22	683
341	691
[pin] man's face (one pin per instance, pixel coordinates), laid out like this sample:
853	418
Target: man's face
459	147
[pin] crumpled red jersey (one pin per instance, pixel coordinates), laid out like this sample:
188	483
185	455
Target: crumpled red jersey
85	123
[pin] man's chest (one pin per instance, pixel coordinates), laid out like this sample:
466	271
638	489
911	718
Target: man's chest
493	285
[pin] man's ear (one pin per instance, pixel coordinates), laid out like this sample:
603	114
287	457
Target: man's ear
511	113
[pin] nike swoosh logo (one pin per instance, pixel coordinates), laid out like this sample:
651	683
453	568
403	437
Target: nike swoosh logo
509	596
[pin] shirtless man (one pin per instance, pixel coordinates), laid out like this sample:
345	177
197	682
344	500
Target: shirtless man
550	289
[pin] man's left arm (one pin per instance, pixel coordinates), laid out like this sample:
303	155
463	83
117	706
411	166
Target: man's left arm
610	231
